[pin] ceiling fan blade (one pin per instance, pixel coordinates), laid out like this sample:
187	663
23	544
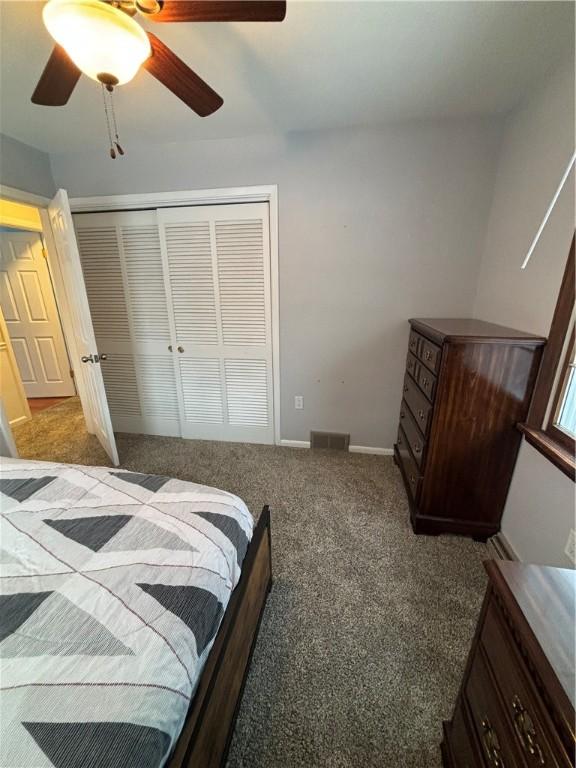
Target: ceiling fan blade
57	81
221	10
171	71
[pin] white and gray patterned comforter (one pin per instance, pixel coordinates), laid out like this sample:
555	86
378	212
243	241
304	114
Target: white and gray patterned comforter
112	588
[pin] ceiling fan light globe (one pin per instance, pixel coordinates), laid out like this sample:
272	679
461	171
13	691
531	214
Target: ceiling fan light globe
98	37
148	7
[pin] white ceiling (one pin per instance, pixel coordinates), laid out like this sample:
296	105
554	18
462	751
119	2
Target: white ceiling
329	64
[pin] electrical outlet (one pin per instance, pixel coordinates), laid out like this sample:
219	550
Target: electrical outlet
299	402
570	547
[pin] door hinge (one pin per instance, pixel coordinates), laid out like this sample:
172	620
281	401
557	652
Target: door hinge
71	373
44	252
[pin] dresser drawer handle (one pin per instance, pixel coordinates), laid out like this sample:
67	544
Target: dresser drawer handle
491	744
421	415
412	480
425	382
417	448
402	414
525	731
405	388
428	354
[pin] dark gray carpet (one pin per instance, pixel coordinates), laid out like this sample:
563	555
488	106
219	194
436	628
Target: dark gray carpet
367	627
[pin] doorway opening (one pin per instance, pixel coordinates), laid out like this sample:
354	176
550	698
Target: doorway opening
37	383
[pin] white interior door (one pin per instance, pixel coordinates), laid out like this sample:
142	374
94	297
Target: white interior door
31	314
217	267
71	294
12	392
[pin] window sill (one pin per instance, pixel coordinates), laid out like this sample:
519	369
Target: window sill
553	451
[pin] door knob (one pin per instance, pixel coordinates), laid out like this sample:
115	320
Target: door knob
169	347
104	357
87	359
180	349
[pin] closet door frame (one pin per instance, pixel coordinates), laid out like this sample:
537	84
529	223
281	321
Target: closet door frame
255	194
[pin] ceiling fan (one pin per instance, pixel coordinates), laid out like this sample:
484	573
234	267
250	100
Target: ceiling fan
103	39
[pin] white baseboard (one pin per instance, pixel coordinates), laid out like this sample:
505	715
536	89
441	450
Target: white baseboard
372	451
295	443
351	448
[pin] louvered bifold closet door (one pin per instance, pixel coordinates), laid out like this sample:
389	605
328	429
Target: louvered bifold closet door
218	266
123	270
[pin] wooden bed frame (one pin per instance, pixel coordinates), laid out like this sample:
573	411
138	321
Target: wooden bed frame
209	725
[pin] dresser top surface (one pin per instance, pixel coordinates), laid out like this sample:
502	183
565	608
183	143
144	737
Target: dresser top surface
468	329
546	597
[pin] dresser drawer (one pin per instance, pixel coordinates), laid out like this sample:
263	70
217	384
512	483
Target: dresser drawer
462	746
534	731
414	436
418	404
412	366
494	733
426	382
414	342
411	471
430	354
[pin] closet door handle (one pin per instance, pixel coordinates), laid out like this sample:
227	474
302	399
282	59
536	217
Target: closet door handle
169	347
180	349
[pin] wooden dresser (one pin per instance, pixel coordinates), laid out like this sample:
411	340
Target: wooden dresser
467	384
516	703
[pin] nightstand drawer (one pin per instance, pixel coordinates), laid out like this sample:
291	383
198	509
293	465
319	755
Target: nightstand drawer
418	404
522	703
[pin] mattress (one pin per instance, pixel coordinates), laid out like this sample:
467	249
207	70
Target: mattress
113	585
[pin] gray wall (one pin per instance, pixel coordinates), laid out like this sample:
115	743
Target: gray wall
25	168
375	227
537	145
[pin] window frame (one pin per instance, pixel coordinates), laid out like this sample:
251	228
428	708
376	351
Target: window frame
551	429
539	429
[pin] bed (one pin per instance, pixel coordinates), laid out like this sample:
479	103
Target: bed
129	608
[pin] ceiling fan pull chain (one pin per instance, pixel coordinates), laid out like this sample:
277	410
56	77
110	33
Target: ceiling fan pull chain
112	150
117	142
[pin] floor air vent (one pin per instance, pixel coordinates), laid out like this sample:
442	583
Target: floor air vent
332	440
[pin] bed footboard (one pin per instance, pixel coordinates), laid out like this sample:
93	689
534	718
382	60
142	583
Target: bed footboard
209	726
